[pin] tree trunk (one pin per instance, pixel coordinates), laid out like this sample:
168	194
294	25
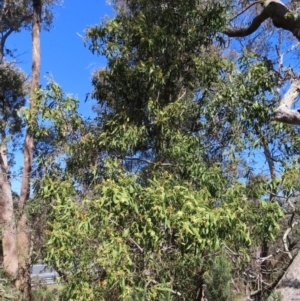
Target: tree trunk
7	217
9	233
289	285
23	227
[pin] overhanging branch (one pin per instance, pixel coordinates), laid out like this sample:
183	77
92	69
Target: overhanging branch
280	15
243	32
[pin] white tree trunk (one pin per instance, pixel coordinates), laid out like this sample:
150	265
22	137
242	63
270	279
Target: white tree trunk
9	232
289	285
284	113
23	227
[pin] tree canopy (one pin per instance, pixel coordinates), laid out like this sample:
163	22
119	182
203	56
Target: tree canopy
183	185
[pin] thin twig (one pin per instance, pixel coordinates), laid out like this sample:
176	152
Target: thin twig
129	238
256	2
148	161
232	252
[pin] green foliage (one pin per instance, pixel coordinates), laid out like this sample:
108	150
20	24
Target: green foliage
217	280
136	240
7	290
275	296
135	202
13	90
141	196
46	293
155	53
17	14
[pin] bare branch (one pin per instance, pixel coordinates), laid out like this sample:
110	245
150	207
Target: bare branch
262	259
243	32
231	251
284	239
257	2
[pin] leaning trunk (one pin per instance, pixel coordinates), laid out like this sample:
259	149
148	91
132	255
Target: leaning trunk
23	227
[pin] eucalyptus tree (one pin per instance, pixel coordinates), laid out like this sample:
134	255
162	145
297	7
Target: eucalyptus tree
13	91
14	17
23	229
145	198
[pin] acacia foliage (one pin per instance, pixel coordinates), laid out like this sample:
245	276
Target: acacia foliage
139	242
144	198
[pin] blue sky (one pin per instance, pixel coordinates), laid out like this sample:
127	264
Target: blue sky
63	53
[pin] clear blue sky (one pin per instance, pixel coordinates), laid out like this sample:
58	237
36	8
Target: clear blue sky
62	50
63	54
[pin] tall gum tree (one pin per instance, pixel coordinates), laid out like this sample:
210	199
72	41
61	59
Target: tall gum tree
23	228
15	16
12	98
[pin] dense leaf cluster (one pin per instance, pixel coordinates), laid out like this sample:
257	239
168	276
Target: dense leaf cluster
146	195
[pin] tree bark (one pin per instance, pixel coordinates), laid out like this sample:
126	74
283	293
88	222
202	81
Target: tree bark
284	113
7	217
289	285
23	227
280	15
